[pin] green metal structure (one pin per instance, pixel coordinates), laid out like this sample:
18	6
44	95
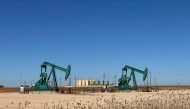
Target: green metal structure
98	82
108	83
124	80
43	83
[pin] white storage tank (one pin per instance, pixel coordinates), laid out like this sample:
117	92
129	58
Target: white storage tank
91	82
86	82
79	82
83	82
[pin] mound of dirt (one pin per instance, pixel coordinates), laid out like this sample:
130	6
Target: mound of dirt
7	90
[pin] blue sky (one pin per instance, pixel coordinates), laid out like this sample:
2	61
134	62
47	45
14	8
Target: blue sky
95	37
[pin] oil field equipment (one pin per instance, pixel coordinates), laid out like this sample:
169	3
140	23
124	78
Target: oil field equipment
124	80
43	83
98	82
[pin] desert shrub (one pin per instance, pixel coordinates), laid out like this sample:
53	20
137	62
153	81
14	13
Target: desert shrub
167	100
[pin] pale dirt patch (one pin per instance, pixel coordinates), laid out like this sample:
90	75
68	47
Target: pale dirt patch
38	101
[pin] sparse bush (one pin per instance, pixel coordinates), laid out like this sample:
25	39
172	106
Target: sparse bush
167	100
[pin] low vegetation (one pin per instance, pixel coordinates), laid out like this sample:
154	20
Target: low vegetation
167	100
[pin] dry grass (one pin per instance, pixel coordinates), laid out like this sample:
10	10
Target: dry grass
166	100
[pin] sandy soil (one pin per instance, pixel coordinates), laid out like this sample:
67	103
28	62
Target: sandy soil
38	101
12	100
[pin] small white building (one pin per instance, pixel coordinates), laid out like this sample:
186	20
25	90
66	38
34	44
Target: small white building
21	89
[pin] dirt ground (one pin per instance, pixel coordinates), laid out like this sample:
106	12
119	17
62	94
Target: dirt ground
38	101
46	100
9	90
